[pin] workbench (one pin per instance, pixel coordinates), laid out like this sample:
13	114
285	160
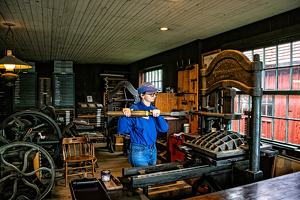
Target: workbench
286	187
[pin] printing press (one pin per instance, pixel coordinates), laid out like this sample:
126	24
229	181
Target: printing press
223	158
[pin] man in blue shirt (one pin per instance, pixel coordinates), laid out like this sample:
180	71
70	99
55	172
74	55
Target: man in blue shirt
143	130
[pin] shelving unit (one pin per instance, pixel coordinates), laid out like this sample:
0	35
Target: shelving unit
44	92
25	91
5	102
65	115
63	90
93	115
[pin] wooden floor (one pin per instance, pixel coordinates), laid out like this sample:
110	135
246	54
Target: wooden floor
285	187
105	160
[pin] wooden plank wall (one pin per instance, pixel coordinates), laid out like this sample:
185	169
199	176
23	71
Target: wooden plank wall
167	102
190	88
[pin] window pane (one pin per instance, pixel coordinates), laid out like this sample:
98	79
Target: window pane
284	55
244	104
266	127
294	106
262	79
160	86
154	77
296	78
284	79
296	53
266	108
279	129
249	55
294	132
235	125
147	76
270	79
280	106
160	75
270	57
243	124
236	108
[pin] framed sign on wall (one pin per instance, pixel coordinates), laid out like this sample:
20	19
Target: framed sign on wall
89	98
207	57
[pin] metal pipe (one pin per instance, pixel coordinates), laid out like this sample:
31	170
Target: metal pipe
255	131
255	135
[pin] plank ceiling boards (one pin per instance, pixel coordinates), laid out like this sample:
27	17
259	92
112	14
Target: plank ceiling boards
122	31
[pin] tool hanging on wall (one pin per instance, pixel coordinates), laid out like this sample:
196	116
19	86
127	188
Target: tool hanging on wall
194	80
192	116
189	66
184	101
181	68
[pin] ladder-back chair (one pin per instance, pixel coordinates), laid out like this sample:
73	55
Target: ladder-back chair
78	150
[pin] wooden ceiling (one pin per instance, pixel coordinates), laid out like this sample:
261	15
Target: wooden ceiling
121	31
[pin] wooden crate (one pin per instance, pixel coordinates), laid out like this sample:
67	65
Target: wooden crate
118	146
118	138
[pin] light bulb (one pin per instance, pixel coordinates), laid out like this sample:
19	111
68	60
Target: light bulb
164	28
9	67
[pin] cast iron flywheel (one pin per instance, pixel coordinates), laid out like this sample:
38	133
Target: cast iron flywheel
22	175
33	126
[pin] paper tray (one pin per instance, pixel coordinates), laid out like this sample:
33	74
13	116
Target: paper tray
88	188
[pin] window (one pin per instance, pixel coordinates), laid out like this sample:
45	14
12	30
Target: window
280	109
154	77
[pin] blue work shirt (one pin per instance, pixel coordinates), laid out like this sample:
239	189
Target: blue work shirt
143	130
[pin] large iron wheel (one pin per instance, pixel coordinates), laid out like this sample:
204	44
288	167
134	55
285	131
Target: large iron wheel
33	126
22	177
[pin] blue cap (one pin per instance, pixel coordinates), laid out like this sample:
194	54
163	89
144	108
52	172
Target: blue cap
147	87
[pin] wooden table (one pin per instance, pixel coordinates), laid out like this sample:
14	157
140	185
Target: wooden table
285	187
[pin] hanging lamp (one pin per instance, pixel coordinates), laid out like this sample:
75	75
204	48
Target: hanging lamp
10	62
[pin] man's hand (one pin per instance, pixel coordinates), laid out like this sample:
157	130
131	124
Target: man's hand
126	112
155	112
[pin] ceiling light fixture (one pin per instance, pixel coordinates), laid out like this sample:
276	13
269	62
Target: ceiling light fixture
10	62
164	28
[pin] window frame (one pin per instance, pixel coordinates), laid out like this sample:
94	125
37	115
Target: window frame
285	92
158	79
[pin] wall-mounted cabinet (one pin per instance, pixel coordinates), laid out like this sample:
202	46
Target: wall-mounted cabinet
63	90
188	80
5	102
25	91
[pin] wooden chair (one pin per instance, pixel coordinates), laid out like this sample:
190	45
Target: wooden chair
78	150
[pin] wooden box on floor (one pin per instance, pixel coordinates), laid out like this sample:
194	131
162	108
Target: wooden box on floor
118	138
118	146
177	190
